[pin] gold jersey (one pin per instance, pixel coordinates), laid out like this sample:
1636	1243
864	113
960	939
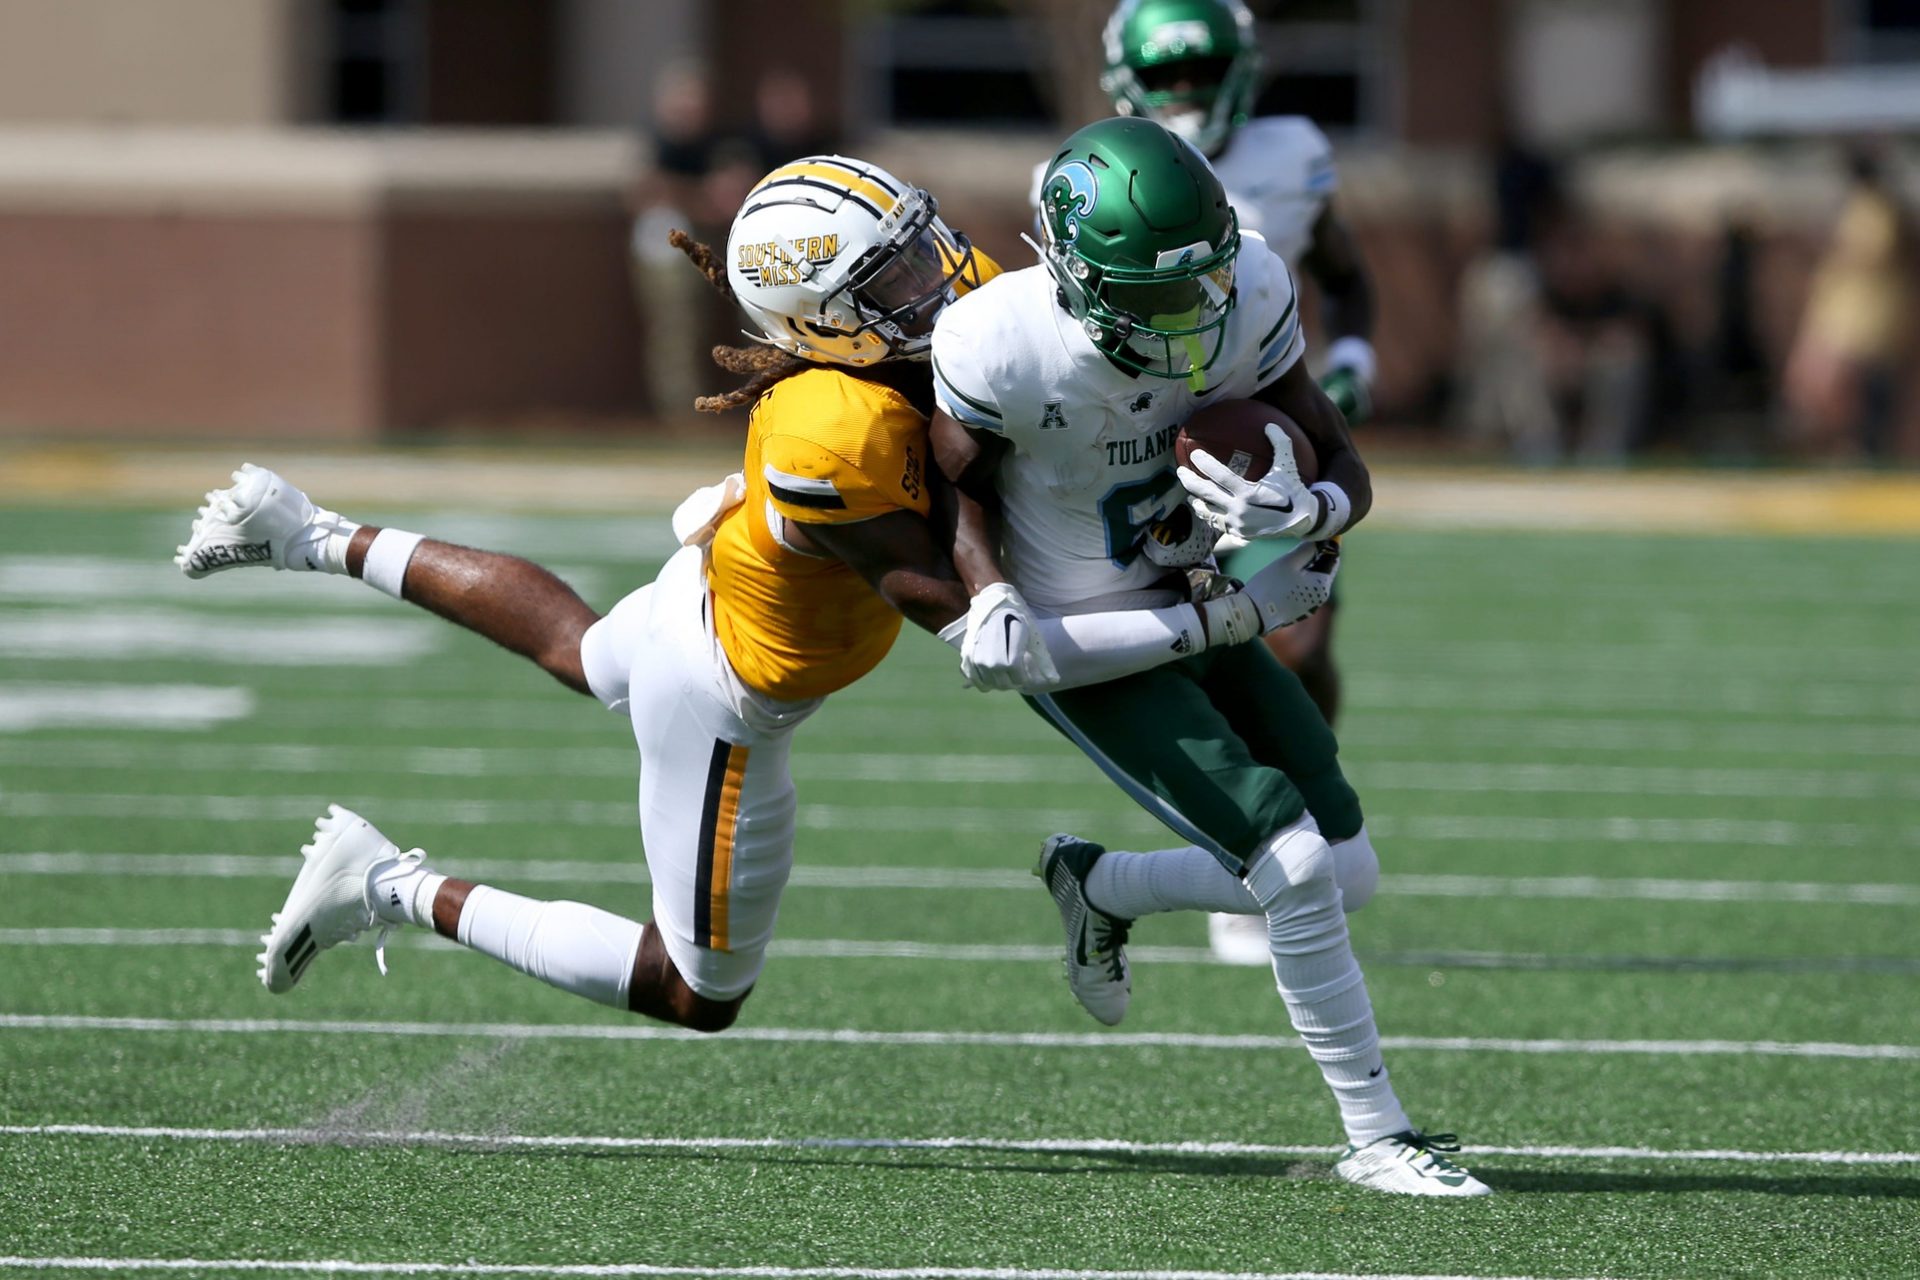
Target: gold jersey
824	446
827	445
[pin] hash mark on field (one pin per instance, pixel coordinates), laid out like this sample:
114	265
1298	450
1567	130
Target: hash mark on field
941	1039
67	635
233	866
115	580
331	1136
41	705
336	1266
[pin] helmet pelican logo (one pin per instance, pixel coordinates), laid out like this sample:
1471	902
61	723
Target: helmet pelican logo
1071	194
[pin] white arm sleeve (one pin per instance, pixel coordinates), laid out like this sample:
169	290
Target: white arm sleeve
1091	648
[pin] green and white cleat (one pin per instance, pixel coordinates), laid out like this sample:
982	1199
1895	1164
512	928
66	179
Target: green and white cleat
330	900
258	520
1096	942
1410	1164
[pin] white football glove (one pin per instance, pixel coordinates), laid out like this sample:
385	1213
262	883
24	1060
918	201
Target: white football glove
1277	505
699	515
1279	595
1002	648
1294	585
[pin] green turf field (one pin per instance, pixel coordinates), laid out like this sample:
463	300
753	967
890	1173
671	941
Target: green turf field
1649	810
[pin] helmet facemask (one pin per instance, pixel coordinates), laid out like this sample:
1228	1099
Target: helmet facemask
896	290
837	261
1166	321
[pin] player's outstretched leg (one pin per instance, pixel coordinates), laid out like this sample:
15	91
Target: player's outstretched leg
263	521
1096	941
354	878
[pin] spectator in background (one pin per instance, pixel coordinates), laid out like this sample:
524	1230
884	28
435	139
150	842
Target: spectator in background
786	121
1502	386
677	310
1843	378
1733	392
1556	348
1595	338
701	175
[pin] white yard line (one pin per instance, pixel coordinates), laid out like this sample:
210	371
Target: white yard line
575	813
1389	729
231	866
40	704
397	811
1038	953
933	767
143	635
337	1266
1036	1146
936	1039
115	580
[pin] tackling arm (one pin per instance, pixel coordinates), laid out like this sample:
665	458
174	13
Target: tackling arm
900	558
967	459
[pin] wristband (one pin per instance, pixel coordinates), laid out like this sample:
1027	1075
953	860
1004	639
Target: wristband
385	566
1336	509
1231	619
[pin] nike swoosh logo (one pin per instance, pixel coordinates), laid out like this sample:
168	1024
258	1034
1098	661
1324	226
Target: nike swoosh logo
1009	622
1376	1071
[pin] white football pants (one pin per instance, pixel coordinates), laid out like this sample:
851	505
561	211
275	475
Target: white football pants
717	802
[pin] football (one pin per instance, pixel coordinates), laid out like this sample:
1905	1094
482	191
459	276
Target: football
1235	432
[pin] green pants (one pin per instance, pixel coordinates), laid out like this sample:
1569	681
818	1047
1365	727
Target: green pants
1224	747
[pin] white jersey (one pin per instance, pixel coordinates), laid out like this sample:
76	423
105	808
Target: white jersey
1279	175
1091	457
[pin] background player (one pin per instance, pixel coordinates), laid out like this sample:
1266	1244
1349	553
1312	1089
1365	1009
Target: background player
1061	388
1195	66
791	585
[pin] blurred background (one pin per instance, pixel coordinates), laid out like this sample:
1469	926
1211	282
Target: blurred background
1600	231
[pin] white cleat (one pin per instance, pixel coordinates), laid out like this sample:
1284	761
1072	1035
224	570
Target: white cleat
1239	940
329	902
259	520
1096	942
1410	1164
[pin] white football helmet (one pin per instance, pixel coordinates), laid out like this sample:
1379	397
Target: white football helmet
836	260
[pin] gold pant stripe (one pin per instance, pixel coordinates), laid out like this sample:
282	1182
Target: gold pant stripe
726	819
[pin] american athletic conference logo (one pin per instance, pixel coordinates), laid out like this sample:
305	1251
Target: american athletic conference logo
1071	195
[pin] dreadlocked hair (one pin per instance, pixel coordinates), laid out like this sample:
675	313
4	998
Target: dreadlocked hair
764	366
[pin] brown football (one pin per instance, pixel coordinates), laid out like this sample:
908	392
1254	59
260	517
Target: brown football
1235	432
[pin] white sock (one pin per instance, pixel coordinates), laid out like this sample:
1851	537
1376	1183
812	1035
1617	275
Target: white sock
1327	1002
1131	885
402	892
569	945
385	566
322	545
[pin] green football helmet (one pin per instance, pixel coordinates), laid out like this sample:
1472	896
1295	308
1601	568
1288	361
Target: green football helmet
1192	65
1141	241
